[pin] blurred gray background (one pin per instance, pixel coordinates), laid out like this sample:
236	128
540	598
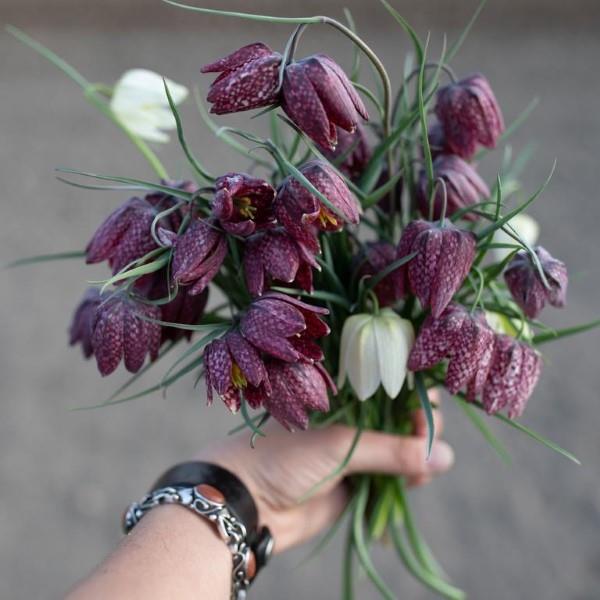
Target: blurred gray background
531	530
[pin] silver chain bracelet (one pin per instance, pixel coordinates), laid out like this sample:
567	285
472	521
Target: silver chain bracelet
231	530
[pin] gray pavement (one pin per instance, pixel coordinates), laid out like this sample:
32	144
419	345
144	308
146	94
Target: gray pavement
527	531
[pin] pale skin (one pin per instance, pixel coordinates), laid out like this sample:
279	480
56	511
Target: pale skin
173	553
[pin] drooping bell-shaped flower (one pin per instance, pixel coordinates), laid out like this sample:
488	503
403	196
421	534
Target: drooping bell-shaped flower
378	256
374	351
514	370
242	203
527	287
80	331
456	335
248	78
297	208
274	255
463	187
317	95
125	235
297	389
469	115
235	371
123	328
140	103
525	226
198	255
352	153
444	257
284	327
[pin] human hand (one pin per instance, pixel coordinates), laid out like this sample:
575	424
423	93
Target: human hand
284	467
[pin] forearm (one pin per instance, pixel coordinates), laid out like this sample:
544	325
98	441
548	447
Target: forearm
171	553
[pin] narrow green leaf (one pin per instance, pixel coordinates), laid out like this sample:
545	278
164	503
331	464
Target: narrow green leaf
41	258
243	425
423	120
360	544
249	16
145	269
355	70
426	404
550	336
348	567
485	431
431	581
56	60
146	185
155	388
195	164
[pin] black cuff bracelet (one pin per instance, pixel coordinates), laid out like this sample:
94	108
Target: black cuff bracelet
218	495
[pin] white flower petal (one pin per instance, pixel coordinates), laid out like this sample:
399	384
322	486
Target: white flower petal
363	368
349	331
140	102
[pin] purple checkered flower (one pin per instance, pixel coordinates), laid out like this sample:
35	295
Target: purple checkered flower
274	255
80	330
163	201
514	370
317	95
284	327
463	338
526	286
378	256
235	371
444	257
242	203
469	115
248	78
296	208
464	187
297	389
122	329
124	236
198	255
352	152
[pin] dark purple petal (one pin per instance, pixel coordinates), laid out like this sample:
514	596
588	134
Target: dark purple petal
247	358
80	330
238	58
107	337
218	363
302	104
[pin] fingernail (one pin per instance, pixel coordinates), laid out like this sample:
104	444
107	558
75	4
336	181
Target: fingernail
441	458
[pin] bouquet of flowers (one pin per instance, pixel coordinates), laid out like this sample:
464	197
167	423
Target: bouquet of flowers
361	260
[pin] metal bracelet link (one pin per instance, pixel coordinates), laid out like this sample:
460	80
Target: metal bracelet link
231	530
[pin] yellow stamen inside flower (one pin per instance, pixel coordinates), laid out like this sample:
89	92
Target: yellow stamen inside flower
244	205
237	377
326	217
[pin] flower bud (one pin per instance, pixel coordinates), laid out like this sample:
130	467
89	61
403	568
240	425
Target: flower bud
140	103
469	115
526	286
248	78
373	351
317	95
